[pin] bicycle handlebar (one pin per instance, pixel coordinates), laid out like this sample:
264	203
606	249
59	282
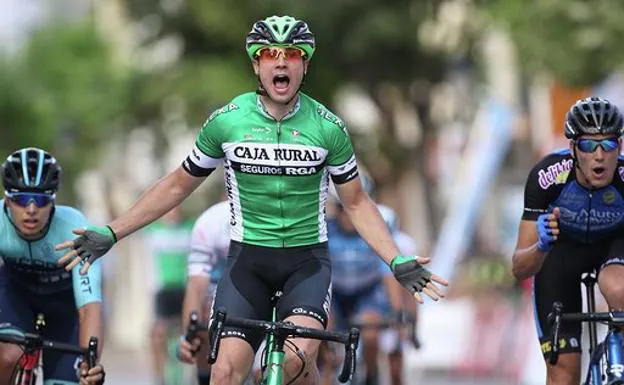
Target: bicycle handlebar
35	341
557	316
282	329
388	323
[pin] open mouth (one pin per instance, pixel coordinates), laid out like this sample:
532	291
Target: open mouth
599	171
281	82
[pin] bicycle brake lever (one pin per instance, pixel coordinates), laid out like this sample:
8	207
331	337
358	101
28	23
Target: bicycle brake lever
555	319
348	366
215	330
92	352
191	329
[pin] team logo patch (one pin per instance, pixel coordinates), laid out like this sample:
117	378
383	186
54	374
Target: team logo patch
609	197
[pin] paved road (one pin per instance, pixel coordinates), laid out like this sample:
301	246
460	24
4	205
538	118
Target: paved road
125	367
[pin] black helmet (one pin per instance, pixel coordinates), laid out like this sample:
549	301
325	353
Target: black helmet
592	116
31	169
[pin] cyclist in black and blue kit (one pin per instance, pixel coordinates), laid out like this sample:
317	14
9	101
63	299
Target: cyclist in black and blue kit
573	222
31	281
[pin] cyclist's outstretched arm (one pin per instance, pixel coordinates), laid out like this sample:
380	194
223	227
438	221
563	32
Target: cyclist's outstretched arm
367	219
93	241
371	226
159	199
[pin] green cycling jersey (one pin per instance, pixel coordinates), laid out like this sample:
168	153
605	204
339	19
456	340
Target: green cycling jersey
169	245
277	172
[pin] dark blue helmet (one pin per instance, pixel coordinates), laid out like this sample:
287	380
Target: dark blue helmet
31	169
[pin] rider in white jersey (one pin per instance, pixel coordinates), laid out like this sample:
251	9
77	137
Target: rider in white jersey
210	242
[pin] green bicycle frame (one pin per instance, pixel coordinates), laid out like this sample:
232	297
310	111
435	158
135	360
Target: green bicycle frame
274	357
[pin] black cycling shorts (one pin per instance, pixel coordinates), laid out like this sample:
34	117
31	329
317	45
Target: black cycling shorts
254	273
560	280
169	302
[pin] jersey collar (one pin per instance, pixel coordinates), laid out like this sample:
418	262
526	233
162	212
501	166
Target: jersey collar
262	109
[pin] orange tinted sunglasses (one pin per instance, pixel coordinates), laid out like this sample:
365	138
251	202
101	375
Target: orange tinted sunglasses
273	53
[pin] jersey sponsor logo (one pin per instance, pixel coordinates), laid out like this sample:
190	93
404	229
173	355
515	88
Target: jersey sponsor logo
328	299
85	282
555	174
531	210
269	170
222	110
309	313
598	218
233	333
277	154
201	160
34	269
325	114
572	200
230	194
350	166
274	159
547	346
195	154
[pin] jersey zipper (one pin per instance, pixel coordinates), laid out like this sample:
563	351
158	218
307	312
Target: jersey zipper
589	205
281	182
32	267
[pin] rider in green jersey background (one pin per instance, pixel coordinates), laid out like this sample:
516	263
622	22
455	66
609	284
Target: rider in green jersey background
168	242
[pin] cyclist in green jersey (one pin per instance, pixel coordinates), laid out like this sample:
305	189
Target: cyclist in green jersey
168	242
279	147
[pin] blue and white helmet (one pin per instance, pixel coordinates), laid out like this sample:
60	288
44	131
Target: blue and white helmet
31	169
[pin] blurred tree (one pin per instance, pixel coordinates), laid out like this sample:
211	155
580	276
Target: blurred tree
577	42
62	94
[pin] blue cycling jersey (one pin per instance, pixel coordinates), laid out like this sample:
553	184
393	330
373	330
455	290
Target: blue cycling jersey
355	265
586	216
34	264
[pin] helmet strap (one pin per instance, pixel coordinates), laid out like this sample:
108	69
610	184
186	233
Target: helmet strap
261	90
577	167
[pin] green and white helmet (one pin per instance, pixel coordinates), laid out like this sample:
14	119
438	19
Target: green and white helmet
283	31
